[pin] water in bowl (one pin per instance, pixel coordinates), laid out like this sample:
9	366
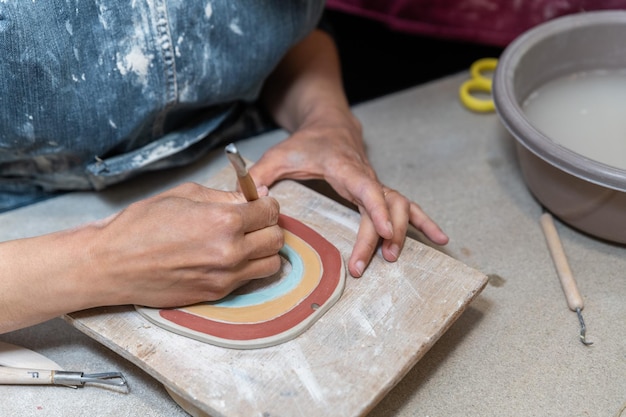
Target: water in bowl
584	112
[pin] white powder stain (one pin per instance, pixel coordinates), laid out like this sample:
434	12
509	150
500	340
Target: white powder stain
414	291
246	386
234	26
363	322
120	66
112	124
297	361
68	27
102	9
208	11
384	304
136	62
179	42
28	129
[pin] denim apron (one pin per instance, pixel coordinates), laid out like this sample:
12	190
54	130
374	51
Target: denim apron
95	91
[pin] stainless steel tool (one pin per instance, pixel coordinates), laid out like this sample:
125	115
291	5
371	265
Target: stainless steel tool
568	283
248	188
28	376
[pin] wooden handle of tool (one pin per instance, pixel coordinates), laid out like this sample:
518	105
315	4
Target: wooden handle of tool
23	376
568	283
248	188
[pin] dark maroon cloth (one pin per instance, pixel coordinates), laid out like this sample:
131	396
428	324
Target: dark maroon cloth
492	22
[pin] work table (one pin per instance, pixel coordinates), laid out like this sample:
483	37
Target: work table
514	351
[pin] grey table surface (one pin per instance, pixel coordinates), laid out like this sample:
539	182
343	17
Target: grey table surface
515	351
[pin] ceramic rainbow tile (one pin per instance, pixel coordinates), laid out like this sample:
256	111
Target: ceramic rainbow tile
272	311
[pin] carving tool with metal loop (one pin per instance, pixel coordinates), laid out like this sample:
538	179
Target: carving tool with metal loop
568	283
21	366
28	376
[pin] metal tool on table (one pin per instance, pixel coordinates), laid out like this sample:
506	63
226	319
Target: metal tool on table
479	83
28	376
568	283
21	366
245	180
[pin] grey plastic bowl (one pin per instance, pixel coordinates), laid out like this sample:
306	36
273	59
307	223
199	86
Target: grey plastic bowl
584	193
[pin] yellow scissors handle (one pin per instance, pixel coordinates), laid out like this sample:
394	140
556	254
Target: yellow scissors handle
478	83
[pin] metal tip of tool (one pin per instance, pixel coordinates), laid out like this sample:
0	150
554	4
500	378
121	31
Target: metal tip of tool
236	160
79	379
231	148
583	328
106	378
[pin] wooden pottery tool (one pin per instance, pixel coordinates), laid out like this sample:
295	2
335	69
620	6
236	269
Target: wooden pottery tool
568	283
21	366
248	188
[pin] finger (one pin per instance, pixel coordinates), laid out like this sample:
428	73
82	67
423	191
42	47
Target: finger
369	194
257	269
399	209
366	242
426	225
259	214
262	191
264	242
233	279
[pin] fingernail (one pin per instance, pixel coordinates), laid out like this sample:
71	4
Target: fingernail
262	190
394	250
360	266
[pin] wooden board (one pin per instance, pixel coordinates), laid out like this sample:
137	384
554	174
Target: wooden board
341	366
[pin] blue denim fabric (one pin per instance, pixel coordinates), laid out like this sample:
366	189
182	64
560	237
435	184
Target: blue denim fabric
93	92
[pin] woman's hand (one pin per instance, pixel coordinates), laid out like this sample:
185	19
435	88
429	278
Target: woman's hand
186	245
330	147
305	96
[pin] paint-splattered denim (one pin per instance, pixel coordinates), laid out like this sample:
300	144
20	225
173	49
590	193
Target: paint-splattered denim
95	91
